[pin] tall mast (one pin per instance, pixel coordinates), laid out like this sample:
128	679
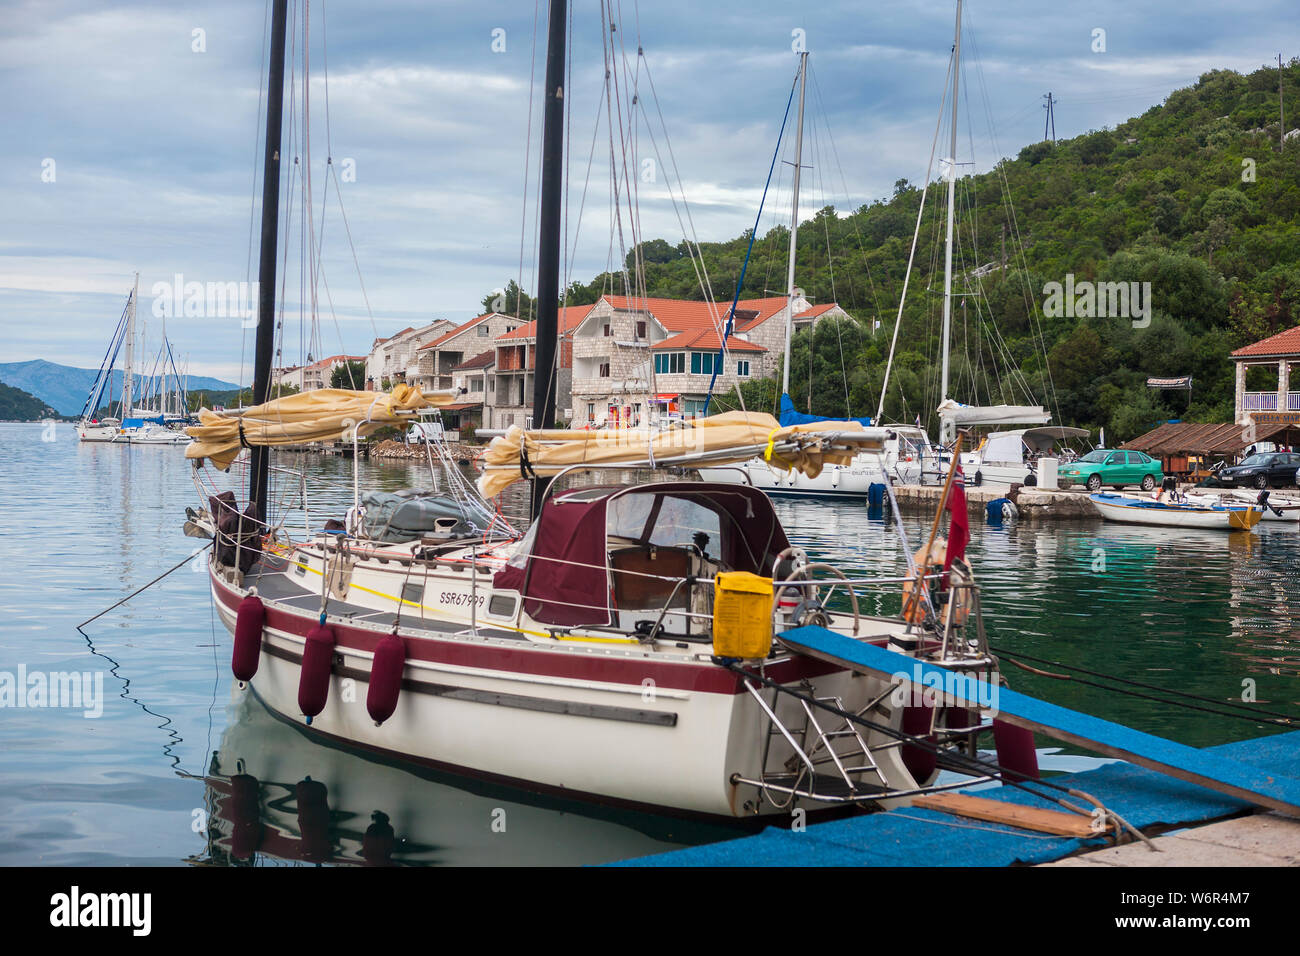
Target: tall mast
258	473
548	256
128	370
794	230
952	189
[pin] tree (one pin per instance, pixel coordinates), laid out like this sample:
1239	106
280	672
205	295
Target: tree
509	301
349	374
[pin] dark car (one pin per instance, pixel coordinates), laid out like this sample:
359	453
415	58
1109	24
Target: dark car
1267	469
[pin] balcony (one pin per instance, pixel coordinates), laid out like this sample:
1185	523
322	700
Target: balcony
1267	402
583	387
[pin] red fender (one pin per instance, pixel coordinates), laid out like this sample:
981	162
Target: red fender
317	662
250	619
920	763
386	678
1016	752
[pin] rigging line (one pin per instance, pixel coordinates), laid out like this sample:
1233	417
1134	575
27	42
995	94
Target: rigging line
528	146
688	229
1013	654
902	298
582	205
697	260
252	198
825	114
692	239
819	179
731	313
1031	302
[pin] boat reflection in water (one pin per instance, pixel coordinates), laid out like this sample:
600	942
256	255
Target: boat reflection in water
276	796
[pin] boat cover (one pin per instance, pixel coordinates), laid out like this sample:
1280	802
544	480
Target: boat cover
562	565
731	437
790	416
324	414
396	517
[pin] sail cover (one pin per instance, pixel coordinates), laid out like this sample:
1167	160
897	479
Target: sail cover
790	416
993	414
324	414
732	437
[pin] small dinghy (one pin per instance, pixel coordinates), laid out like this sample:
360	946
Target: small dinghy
1273	508
1176	514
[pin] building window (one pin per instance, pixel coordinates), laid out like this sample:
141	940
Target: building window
742	368
608	331
591	412
604	370
640	329
670	363
701	363
484	331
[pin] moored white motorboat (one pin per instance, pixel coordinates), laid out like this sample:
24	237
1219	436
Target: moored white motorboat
1175	514
1275	509
1005	458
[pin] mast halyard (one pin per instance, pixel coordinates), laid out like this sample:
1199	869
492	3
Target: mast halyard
127	402
259	471
794	229
947	426
548	256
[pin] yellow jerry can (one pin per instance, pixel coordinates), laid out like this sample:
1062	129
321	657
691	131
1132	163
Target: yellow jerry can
742	615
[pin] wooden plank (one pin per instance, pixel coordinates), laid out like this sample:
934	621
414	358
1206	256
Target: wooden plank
1206	769
1038	819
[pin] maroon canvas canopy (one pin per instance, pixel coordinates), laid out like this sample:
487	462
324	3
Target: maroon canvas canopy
566	581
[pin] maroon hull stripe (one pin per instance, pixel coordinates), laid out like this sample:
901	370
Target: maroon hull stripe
707	678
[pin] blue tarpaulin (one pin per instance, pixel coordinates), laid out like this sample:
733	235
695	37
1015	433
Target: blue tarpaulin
790	416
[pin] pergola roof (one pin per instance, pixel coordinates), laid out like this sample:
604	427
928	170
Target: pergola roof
1188	438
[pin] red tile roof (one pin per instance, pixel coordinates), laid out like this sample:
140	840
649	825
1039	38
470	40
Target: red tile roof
1284	343
569	319
337	359
482	360
456	331
706	339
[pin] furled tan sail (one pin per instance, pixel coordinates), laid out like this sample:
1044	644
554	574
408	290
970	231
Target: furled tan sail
732	437
325	414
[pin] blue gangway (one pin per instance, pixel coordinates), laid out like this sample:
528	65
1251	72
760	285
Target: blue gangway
1221	774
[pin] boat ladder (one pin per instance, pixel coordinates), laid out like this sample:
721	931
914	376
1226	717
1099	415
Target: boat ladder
855	749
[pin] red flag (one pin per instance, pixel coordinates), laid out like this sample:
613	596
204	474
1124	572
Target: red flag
958	521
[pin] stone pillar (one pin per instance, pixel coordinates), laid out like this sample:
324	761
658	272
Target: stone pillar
1239	414
1283	384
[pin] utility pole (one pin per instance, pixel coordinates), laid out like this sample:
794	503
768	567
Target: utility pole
1050	119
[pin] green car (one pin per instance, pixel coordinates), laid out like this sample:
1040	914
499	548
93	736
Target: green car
1115	468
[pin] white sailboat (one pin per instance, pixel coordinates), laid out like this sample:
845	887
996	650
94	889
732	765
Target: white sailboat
599	655
1005	457
133	424
907	457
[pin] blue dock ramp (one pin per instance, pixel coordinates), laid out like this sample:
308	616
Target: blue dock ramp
914	836
1211	770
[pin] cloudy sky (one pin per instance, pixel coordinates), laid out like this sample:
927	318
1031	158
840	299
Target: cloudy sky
130	136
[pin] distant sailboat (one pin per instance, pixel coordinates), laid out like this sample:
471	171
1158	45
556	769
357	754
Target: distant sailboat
134	424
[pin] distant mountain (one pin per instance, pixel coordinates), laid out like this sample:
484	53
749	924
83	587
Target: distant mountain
18	406
65	388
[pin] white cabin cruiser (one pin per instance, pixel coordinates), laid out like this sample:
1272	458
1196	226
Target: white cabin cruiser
1011	457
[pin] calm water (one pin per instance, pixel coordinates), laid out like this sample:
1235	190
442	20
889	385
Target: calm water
83	525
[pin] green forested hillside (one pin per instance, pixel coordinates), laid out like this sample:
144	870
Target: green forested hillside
1194	196
18	406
